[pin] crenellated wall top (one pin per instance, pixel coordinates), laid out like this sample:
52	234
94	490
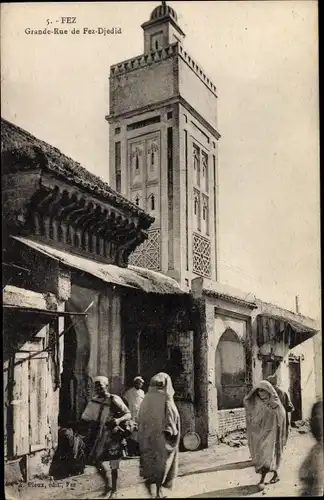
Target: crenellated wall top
160	55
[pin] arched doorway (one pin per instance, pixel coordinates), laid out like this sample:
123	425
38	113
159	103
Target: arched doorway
230	367
75	381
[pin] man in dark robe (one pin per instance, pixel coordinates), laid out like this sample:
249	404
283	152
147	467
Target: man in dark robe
284	399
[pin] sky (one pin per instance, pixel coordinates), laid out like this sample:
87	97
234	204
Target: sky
263	58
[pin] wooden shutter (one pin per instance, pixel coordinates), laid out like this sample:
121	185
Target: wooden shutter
19	404
38	367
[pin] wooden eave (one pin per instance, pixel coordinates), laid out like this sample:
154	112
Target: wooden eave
52	203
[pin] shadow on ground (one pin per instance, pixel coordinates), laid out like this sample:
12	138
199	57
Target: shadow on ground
233	466
238	491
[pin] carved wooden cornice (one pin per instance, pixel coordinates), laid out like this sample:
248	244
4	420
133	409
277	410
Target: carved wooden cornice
73	220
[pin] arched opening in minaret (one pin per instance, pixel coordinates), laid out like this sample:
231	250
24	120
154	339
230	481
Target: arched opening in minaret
152	202
136	162
230	366
196	206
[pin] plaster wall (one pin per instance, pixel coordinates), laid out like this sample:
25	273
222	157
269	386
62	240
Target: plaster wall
221	315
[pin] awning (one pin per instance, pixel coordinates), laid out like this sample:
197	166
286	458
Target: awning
277	328
7	309
27	310
131	277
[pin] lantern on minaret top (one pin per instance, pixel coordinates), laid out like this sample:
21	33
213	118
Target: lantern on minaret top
162	29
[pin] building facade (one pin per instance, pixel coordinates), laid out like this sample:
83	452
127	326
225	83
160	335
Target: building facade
242	341
68	295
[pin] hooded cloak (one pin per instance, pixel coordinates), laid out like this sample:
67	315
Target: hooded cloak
266	428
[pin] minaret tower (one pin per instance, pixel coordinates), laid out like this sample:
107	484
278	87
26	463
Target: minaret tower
163	150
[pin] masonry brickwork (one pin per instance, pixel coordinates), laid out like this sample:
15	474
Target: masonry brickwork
230	420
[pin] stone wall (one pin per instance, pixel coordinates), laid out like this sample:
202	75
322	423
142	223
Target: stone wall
230	420
142	85
196	91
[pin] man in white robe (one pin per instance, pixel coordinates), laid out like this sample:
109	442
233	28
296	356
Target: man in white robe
134	397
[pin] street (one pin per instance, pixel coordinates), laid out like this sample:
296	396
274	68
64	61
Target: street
239	479
205	474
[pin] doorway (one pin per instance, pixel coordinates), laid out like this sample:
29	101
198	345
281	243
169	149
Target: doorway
295	390
75	382
153	353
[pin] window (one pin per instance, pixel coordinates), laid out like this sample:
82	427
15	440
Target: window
197	210
151	202
118	182
117	130
205	171
118	167
204	212
137	200
156	41
201	182
144	123
136	162
152	152
196	162
169	115
196	205
205	215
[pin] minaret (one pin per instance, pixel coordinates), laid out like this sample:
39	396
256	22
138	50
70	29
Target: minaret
163	150
162	29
